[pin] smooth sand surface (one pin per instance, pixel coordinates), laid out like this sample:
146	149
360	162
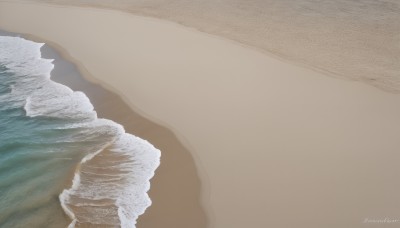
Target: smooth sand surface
356	39
275	145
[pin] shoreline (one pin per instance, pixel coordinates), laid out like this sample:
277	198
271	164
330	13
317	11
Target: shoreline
69	72
174	153
270	135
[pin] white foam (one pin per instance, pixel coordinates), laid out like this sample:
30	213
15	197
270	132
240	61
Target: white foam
130	161
33	86
131	206
23	56
126	188
61	104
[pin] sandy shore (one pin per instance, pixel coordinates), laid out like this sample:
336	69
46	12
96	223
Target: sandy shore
273	144
341	38
179	159
185	198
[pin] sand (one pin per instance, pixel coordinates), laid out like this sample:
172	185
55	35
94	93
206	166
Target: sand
181	169
273	144
341	38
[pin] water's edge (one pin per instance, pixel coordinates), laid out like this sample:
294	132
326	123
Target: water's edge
65	73
178	167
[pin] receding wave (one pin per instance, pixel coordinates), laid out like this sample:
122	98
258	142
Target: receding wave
110	184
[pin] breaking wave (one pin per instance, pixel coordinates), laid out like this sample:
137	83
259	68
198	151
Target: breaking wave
110	184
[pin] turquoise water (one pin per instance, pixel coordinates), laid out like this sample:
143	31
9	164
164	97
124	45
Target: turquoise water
46	129
34	162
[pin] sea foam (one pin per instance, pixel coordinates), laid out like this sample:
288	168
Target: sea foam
110	185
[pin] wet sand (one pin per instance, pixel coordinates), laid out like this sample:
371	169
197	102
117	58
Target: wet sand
273	144
176	181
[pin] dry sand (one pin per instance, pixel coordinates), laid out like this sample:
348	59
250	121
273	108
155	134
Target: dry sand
274	145
356	39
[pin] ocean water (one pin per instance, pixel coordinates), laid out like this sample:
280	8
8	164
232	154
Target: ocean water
60	165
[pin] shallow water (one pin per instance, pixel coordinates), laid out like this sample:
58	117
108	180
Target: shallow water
50	134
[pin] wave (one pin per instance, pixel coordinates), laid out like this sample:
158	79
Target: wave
110	184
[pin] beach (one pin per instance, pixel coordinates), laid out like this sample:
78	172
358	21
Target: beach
247	139
182	170
355	40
